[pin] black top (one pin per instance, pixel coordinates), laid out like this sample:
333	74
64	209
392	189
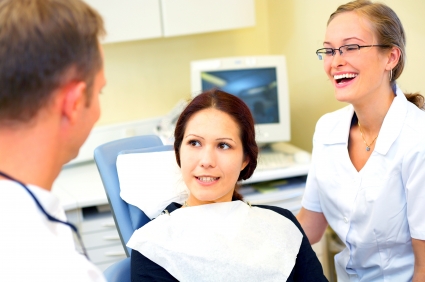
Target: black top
307	266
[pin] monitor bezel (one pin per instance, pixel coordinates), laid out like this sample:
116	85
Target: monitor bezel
265	133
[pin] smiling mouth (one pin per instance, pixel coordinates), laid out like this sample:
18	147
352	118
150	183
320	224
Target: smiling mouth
207	179
344	78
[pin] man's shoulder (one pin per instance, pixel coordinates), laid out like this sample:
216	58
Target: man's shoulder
13	198
28	239
48	264
17	201
22	219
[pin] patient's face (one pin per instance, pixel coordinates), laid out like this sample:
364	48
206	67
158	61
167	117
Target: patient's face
211	157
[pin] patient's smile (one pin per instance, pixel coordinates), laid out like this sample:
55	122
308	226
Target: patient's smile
207	179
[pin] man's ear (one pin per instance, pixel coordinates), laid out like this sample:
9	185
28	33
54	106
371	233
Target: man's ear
73	99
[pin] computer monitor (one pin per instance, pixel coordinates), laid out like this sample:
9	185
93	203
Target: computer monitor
260	81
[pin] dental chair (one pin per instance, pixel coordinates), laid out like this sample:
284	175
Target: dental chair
127	217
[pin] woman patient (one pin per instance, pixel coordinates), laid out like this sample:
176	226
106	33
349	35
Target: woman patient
214	235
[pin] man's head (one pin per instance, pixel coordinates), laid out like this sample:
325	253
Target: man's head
44	45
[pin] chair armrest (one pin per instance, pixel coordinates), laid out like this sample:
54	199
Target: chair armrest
119	271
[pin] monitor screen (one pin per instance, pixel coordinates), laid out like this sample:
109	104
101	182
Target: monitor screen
256	87
259	81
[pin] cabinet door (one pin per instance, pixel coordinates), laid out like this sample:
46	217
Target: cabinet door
181	17
129	19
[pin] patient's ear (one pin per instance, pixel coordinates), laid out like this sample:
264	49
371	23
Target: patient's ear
245	163
73	99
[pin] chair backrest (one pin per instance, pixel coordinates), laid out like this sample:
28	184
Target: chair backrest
127	217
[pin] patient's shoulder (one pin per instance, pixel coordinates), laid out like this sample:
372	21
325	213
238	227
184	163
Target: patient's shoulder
284	212
279	210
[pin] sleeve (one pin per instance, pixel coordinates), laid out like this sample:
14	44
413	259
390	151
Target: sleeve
311	200
307	266
143	269
413	173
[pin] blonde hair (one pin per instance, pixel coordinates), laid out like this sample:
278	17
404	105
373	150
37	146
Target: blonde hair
389	31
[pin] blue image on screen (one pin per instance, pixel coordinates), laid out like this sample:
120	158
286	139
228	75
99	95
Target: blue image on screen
256	87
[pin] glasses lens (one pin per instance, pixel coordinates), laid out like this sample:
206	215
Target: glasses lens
324	52
350	49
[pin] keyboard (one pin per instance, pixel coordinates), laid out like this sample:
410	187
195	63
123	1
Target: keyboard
273	160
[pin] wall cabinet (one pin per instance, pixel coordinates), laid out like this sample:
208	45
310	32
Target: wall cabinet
182	17
127	20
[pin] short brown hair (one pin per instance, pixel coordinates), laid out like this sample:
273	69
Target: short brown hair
44	44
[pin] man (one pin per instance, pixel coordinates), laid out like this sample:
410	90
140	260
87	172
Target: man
51	73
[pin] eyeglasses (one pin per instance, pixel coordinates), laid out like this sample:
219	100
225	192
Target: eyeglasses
349	49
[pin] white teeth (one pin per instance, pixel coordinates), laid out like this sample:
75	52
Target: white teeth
345	75
207	179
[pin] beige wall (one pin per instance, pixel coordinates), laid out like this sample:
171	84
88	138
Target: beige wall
146	78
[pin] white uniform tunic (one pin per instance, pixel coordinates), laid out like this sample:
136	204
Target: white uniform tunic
377	210
33	248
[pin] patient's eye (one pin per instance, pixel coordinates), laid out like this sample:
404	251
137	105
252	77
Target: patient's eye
194	143
224	145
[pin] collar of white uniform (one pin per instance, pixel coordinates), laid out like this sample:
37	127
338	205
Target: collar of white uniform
391	126
221	242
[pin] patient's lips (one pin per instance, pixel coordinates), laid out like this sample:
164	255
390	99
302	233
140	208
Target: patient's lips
207	179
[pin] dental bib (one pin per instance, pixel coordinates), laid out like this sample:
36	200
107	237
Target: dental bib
221	242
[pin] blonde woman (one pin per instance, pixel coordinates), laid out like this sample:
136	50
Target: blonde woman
368	169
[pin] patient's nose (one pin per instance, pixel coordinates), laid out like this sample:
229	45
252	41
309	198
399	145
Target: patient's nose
208	158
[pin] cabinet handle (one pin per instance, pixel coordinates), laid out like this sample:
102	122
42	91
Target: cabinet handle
114	254
108	224
111	237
